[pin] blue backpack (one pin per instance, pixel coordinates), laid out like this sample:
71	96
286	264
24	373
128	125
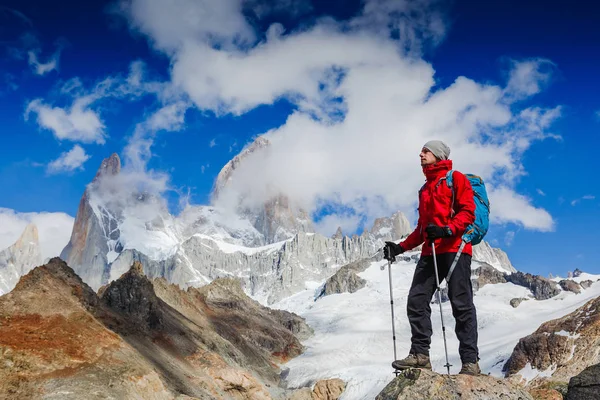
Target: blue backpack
475	232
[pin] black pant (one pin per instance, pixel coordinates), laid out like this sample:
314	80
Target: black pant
460	293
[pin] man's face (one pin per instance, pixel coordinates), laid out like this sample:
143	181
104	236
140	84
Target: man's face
427	157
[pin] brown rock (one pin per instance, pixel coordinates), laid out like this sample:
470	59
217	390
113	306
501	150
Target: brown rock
516	301
545	394
330	389
570	285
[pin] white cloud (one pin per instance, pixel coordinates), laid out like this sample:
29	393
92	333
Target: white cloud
365	104
41	68
170	117
509	238
528	77
508	206
69	161
541	192
77	123
81	122
586	197
54	229
212	143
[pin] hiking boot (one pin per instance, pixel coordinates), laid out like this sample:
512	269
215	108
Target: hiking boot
470	369
413	361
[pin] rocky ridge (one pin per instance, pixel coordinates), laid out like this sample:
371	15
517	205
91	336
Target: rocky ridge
140	339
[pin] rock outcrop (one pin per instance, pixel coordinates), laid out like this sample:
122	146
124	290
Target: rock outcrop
541	288
327	389
558	349
19	259
416	384
346	280
570	286
486	275
514	303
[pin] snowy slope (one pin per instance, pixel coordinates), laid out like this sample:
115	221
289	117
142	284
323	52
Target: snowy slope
353	332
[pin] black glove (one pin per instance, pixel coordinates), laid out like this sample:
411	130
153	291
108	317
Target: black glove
391	250
436	232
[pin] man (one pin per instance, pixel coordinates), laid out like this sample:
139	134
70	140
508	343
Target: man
444	214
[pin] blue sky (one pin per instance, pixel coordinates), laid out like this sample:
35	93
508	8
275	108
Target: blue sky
548	213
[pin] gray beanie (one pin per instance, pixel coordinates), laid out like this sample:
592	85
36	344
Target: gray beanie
438	148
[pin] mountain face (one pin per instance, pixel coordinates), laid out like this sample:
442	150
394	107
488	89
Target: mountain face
140	339
278	218
20	258
95	232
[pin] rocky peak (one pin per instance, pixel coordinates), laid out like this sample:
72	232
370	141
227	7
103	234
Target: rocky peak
110	166
226	173
392	228
133	295
278	218
55	280
338	235
493	256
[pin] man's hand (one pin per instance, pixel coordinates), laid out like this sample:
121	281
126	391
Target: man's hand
436	232
391	250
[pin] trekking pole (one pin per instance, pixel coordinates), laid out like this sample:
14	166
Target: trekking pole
439	294
392	308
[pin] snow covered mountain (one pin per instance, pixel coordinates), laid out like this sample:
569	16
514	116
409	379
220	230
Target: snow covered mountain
19	259
353	332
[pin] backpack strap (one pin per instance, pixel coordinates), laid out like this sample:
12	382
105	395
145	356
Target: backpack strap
448	179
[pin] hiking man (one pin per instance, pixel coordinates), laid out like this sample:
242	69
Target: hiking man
444	213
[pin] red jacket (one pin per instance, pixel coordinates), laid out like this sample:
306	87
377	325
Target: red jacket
435	208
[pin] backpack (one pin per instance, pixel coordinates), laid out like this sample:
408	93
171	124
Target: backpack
476	231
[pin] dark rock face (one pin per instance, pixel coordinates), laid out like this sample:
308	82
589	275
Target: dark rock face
133	295
540	287
577	273
586	385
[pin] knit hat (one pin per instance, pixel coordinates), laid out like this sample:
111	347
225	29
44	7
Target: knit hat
438	148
